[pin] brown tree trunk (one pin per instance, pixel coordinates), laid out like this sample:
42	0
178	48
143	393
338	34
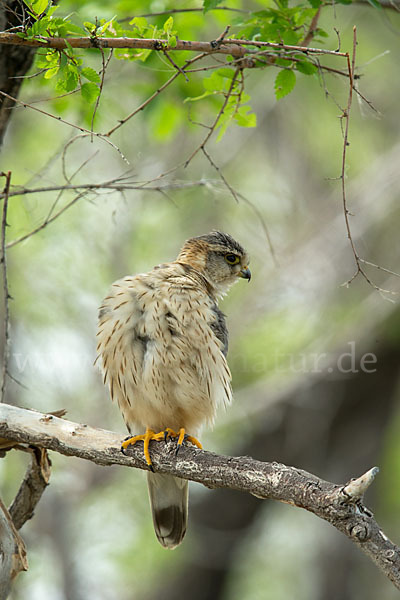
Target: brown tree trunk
15	61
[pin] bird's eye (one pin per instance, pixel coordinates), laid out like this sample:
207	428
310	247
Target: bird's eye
232	259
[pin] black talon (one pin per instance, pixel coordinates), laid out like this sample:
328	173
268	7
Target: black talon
123	450
151	468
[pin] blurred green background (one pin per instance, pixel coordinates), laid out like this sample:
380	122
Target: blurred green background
294	330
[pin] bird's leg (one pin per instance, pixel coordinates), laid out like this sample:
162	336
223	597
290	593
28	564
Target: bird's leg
184	437
150	435
168	432
146	439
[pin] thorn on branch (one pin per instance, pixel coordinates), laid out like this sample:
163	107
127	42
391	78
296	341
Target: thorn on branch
356	488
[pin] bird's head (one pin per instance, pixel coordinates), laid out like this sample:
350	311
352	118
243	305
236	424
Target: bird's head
218	257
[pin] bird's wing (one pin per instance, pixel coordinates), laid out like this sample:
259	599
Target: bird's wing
157	345
120	347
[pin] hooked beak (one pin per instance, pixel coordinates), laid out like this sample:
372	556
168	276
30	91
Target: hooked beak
245	273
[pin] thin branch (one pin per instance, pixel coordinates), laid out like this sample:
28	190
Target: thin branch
235	47
43	112
173	11
339	505
156	93
84	190
346	116
216	121
46	222
105	64
177	67
3	262
116	185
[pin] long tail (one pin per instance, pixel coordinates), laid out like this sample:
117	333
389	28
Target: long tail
169	506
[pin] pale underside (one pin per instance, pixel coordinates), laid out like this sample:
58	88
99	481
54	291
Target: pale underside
160	356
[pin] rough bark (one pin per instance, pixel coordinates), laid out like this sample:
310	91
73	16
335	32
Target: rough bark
12	552
339	505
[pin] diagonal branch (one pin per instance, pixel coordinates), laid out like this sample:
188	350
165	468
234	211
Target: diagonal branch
339	505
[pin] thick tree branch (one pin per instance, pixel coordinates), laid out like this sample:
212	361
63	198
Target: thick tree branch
339	505
12	552
32	487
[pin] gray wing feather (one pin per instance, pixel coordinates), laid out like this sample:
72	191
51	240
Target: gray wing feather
219	328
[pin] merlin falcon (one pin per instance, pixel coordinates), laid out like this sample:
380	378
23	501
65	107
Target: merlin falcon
162	342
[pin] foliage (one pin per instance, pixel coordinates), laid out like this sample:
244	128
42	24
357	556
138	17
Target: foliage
71	70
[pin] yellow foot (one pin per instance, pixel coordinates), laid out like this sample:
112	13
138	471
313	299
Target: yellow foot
182	436
146	439
150	435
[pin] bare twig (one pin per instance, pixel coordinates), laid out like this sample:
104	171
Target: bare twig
84	190
237	197
177	67
216	120
105	64
341	506
155	94
173	11
3	262
346	116
220	174
47	114
46	222
116	184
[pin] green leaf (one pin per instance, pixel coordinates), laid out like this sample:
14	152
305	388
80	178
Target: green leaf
91	74
51	72
105	25
210	4
226	72
140	23
166	120
39	6
169	23
91	27
195	98
71	77
172	41
71	28
245	118
321	32
213	83
306	67
60	86
375	3
284	83
90	92
315	3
